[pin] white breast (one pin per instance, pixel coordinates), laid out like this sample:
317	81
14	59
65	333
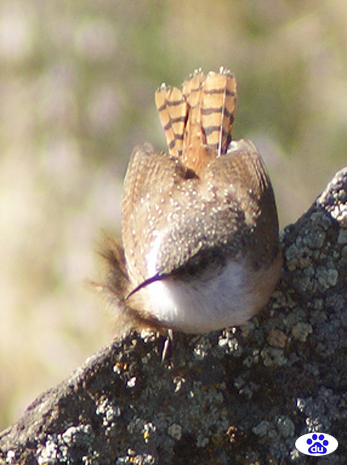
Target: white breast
202	305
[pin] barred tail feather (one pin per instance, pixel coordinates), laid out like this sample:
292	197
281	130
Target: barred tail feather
172	108
198	119
218	110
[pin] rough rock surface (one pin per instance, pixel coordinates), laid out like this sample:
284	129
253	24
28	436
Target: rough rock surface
238	396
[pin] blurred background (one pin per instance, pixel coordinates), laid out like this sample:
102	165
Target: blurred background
76	95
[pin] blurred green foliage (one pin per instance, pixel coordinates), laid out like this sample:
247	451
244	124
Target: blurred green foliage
76	95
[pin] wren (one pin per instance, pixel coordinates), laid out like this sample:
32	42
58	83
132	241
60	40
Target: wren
200	238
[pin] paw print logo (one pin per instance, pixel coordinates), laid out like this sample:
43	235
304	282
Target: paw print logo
316	444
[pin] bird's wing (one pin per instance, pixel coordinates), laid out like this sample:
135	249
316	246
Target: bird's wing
150	177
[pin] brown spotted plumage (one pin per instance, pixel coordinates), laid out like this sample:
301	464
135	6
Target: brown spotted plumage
199	224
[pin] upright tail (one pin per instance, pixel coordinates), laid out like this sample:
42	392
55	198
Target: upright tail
198	118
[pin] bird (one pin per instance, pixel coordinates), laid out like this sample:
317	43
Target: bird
200	247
